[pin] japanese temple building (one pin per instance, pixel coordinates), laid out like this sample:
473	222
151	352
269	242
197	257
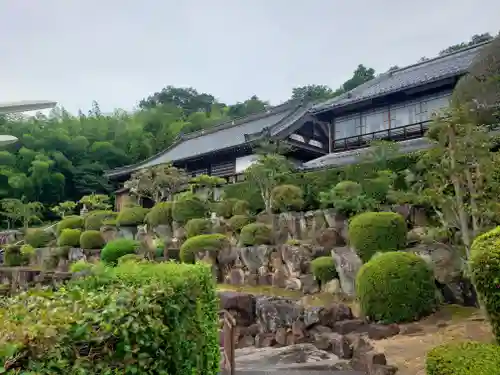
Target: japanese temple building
397	105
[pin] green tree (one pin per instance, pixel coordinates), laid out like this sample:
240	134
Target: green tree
94	202
64	208
24	212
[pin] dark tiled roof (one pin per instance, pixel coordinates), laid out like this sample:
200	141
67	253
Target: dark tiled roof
223	136
450	65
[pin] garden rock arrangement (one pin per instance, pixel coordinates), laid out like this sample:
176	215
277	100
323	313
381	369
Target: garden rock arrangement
337	336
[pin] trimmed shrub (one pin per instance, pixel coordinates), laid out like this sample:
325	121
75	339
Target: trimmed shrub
373	232
38	238
91	239
160	214
115	249
287	198
204	242
13	257
465	358
132	216
125	320
323	269
95	220
237	222
396	287
484	264
70	222
241	207
81	266
69	237
224	208
27	250
255	234
195	227
189	207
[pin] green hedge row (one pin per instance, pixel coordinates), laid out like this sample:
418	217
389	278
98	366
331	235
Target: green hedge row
133	319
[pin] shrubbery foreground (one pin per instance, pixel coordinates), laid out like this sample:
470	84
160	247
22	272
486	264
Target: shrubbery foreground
131	319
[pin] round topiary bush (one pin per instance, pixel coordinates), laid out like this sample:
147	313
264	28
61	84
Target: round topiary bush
115	249
189	207
287	198
396	287
38	238
224	208
70	222
323	269
241	207
131	216
91	239
373	232
195	227
95	220
484	264
160	214
204	242
463	358
237	222
255	234
69	237
13	257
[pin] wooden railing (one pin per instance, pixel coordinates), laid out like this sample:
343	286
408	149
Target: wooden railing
393	134
228	342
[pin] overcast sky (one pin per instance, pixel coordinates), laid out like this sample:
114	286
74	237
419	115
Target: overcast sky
119	51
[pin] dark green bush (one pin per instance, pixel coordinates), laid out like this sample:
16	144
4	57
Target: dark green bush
115	249
485	272
91	239
131	216
132	319
373	232
246	192
323	269
465	358
95	220
224	208
188	207
204	242
195	227
38	238
13	257
241	207
237	222
255	234
160	214
287	198
69	237
70	222
396	287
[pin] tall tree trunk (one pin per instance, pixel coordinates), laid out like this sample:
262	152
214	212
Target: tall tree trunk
473	203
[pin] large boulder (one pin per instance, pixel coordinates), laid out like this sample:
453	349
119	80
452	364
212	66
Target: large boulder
275	312
240	304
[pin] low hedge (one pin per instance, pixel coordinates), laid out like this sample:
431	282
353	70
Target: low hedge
70	222
160	214
38	238
465	358
255	234
131	216
323	269
95	220
133	319
485	270
372	232
91	239
69	237
195	227
204	242
117	248
396	287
